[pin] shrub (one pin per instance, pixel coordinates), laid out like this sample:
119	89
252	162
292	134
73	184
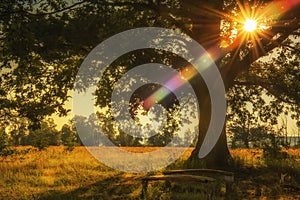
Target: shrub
280	161
5	145
272	149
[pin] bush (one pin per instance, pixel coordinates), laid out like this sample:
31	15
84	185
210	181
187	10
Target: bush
280	161
272	149
5	145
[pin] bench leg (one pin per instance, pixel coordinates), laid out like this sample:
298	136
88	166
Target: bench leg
212	191
167	184
144	189
229	190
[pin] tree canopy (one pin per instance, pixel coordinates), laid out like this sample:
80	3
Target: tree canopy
43	43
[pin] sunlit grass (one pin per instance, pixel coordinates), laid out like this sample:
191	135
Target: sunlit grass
250	157
58	174
38	171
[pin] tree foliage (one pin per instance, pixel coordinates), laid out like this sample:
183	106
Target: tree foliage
43	42
46	135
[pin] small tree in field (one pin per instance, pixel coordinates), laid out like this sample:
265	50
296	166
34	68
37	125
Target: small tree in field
4	142
45	136
69	137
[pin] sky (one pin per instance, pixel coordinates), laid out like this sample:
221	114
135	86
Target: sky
60	121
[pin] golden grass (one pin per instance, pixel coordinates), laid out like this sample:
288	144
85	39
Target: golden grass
250	157
53	168
253	157
59	174
293	152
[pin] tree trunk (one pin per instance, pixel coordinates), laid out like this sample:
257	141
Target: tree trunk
206	26
219	156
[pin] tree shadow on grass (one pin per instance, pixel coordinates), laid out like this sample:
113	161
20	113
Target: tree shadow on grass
116	187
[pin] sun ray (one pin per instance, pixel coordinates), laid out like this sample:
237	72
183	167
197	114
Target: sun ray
255	22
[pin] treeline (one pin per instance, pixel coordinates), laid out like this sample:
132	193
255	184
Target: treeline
259	137
18	133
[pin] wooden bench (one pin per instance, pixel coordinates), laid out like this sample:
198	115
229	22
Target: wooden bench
185	176
228	177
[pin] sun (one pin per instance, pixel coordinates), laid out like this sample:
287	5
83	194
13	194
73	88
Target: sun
250	25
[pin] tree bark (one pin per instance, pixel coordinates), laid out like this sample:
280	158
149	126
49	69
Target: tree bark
205	26
219	157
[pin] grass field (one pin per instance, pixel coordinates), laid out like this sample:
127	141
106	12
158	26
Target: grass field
58	174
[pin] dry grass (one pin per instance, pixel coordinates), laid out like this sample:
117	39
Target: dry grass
58	174
34	174
295	153
249	157
253	157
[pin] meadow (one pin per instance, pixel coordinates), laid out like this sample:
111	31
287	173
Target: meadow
55	173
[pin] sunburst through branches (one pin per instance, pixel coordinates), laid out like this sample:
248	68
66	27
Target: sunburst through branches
248	24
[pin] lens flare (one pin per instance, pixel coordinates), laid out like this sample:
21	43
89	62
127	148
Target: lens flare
174	83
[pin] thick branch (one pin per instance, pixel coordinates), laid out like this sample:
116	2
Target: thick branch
292	48
148	5
21	11
60	10
67	8
237	66
268	86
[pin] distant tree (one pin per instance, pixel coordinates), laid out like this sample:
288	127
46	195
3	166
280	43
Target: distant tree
69	136
90	127
239	128
45	136
254	136
4	142
18	130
